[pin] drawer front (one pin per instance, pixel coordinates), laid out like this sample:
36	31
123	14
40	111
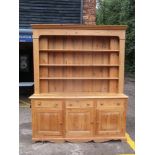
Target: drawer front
73	104
110	103
79	104
48	103
87	104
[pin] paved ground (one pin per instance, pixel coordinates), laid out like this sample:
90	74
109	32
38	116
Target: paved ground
27	147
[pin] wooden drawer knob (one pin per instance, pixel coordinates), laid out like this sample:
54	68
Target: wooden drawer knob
117	103
55	105
88	104
70	104
101	103
39	104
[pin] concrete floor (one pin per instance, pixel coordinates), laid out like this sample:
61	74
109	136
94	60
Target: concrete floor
27	147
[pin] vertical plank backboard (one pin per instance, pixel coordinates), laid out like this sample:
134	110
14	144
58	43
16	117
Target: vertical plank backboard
87	45
51	59
87	59
105	60
113	84
44	59
97	45
78	59
78	56
68	59
105	57
106	43
58	59
97	59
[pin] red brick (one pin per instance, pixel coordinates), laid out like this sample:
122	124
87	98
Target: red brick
89	11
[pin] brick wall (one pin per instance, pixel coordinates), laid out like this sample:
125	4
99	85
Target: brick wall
89	11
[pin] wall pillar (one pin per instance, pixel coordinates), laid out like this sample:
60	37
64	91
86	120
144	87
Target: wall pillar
89	12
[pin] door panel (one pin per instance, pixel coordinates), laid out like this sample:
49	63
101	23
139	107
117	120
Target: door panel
79	122
109	122
110	117
48	122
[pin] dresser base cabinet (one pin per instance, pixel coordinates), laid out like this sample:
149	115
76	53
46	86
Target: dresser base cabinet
78	120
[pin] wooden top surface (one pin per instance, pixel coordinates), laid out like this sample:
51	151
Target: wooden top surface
79	26
76	95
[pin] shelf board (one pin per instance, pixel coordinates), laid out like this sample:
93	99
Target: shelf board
78	78
76	50
73	95
80	65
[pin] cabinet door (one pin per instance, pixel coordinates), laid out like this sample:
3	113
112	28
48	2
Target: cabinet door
79	122
110	119
109	122
47	122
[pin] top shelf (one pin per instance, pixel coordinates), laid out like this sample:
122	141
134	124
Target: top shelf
76	50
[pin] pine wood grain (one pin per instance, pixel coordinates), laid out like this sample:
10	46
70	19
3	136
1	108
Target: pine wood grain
79	80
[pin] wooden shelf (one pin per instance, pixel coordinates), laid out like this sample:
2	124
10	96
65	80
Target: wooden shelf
76	50
78	78
79	65
73	95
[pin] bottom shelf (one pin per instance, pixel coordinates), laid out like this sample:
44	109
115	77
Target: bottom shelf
80	85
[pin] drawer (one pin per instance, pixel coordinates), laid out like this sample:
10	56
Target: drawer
87	104
48	103
79	104
73	104
109	103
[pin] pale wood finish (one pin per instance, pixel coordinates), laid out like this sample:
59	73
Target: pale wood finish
79	27
65	95
76	66
78	74
36	65
121	64
70	119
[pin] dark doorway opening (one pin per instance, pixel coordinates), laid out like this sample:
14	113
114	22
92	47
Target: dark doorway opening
26	68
